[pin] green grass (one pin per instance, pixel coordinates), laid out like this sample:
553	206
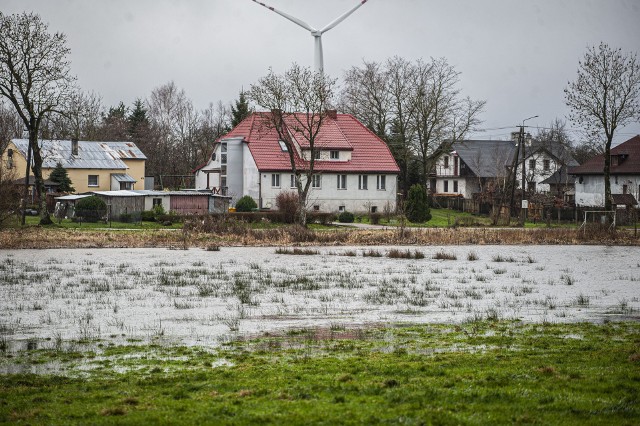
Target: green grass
477	373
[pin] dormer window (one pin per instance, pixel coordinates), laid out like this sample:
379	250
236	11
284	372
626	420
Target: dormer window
614	160
334	155
316	154
283	146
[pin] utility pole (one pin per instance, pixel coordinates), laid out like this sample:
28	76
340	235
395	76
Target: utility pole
524	203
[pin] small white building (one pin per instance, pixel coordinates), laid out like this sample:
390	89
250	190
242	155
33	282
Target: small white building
624	175
354	169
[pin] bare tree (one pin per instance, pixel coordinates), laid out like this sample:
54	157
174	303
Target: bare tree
80	118
10	125
35	78
400	74
366	96
297	102
604	96
441	117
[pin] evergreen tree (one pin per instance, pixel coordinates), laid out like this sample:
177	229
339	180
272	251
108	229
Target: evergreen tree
417	206
240	111
138	120
60	176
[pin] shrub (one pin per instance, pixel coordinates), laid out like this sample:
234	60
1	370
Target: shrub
346	217
126	218
287	204
417	207
246	204
320	217
148	216
91	209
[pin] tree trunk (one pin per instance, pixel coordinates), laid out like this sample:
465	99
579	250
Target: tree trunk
607	179
39	188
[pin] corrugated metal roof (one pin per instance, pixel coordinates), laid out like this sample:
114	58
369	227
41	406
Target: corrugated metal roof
121	193
72	197
122	177
91	155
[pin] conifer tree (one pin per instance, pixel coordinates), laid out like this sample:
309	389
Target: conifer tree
240	111
60	176
417	206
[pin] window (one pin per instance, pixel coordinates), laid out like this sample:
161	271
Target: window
546	164
446	186
625	188
455	186
157	202
446	161
374	209
381	182
292	181
223	155
334	155
316	154
126	186
283	146
362	181
92	180
275	180
342	181
316	208
316	181
341	208
10	158
532	164
223	182
213	157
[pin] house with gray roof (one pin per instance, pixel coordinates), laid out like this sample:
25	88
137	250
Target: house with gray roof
475	166
91	166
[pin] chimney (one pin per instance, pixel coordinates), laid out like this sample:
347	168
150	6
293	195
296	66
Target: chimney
515	136
332	113
74	146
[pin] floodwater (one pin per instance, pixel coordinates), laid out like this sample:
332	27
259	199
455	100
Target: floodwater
199	297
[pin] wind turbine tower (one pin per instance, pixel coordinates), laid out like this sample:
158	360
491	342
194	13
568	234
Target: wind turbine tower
318	60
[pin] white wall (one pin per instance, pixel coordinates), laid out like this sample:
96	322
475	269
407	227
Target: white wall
329	198
590	192
148	202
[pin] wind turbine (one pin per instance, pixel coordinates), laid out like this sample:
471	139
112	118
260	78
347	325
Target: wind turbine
318	60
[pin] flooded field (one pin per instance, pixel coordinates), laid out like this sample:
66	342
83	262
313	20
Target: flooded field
197	297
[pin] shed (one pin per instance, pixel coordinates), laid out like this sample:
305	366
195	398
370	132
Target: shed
121	203
66	204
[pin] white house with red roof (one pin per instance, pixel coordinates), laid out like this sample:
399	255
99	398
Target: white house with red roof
353	168
624	176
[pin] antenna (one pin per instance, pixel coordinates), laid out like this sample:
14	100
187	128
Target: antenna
318	60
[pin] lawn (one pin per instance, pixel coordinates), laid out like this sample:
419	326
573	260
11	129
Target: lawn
474	373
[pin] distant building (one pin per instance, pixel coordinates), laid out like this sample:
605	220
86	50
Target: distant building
91	166
624	173
354	169
470	166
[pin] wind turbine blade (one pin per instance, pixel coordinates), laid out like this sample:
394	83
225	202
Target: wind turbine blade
289	17
341	18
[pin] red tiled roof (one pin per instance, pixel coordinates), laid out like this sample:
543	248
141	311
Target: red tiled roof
629	165
369	153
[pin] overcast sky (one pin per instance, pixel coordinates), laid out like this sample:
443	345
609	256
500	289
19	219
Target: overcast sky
517	55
